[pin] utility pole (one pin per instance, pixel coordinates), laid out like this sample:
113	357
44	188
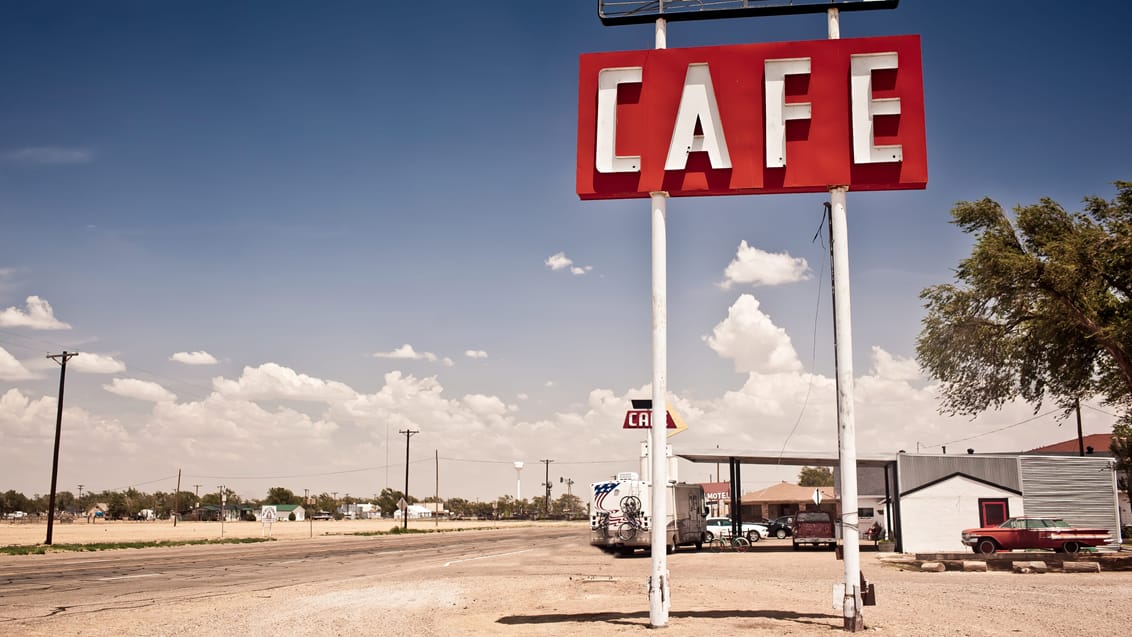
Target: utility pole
546	498
409	433
223	501
62	360
177	499
1080	433
436	496
196	491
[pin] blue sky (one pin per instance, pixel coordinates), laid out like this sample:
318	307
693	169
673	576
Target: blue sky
301	190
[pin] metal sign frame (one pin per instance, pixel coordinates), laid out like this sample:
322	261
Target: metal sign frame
620	12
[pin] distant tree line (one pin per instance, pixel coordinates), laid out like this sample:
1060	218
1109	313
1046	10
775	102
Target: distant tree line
130	503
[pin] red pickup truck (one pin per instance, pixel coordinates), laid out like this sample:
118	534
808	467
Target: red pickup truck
814	527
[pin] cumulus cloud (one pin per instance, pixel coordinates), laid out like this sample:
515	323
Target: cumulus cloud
194	358
38	316
406	352
91	363
272	381
752	341
50	155
140	390
755	267
475	353
12	369
560	261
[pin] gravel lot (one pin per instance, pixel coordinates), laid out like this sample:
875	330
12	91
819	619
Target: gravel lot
538	587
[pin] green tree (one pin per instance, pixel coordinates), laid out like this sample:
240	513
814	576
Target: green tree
1041	309
568	504
459	507
282	495
1121	448
815	477
12	500
388	499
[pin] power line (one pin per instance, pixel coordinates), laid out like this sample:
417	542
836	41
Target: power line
813	338
994	431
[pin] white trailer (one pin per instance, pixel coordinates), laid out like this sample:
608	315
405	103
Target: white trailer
621	522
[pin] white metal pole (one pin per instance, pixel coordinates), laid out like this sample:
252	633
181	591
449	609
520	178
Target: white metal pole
847	432
847	435
659	600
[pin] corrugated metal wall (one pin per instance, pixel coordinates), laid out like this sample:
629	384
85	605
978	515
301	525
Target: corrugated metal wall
916	470
1075	488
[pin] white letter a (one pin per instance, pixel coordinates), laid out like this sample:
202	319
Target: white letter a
697	104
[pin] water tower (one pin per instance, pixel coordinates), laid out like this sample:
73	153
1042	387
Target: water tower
518	480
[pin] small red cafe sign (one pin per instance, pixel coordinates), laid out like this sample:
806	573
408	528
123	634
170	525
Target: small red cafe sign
754	118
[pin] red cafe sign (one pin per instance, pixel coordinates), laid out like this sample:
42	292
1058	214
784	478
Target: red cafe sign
755	118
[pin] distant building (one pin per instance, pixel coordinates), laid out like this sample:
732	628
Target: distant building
415	511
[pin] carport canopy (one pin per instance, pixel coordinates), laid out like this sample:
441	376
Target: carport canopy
795	458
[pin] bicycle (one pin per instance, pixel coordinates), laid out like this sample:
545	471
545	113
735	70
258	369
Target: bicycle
631	508
720	543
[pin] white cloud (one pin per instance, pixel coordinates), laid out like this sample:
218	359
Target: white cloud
194	358
272	381
406	352
475	353
12	369
92	363
752	341
560	261
140	390
756	267
39	316
50	155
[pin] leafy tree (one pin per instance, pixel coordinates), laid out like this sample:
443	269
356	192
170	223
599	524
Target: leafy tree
118	505
388	498
568	504
11	501
1121	448
815	477
460	507
282	495
1041	309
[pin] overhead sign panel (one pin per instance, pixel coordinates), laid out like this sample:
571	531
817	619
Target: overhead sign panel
752	119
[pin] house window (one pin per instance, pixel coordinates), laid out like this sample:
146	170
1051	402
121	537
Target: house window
866	512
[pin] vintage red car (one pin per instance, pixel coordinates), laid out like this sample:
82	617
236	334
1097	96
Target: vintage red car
1034	533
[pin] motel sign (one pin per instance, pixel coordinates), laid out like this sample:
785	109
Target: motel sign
755	118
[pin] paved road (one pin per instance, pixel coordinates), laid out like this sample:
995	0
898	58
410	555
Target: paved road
58	584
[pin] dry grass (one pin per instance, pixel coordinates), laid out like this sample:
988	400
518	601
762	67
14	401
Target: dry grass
80	532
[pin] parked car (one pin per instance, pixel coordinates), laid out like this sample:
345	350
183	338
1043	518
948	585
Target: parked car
322	515
781	527
721	527
1034	533
814	527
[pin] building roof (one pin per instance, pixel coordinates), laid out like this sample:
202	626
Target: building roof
1099	442
786	492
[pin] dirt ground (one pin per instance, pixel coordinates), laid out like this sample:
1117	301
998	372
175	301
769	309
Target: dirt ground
568	588
80	532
